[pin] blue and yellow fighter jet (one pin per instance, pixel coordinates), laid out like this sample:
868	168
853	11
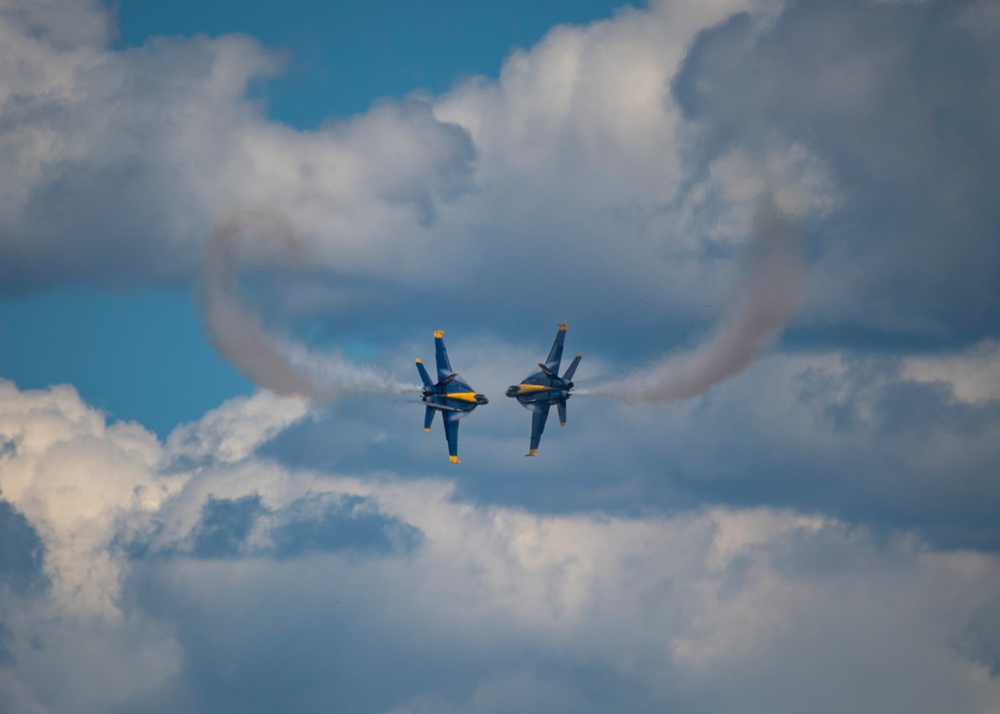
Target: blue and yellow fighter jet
540	390
451	396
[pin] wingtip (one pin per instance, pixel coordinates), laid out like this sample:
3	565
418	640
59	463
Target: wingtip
438	333
419	361
454	460
532	452
426	429
562	326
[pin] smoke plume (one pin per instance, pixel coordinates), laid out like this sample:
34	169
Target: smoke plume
272	362
768	298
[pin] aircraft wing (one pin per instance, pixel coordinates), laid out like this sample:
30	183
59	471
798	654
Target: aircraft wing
539	413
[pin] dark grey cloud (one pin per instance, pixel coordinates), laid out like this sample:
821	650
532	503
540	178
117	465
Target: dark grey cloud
850	436
224	526
899	101
22	552
980	639
108	154
698	630
340	522
231	528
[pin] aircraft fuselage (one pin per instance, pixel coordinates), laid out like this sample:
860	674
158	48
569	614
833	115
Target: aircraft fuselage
450	395
540	390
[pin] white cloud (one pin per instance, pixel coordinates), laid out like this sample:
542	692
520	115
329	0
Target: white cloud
73	476
578	141
624	154
710	609
231	432
89	489
973	374
574	183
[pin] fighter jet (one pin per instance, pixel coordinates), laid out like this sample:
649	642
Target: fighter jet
540	390
451	396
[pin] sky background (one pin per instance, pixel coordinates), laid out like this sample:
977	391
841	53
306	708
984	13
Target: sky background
227	229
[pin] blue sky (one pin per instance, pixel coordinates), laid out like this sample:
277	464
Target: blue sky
227	230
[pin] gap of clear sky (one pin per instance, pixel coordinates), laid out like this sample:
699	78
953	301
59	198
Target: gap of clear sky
141	355
344	55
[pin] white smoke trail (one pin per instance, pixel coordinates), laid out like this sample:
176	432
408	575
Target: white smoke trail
769	297
278	364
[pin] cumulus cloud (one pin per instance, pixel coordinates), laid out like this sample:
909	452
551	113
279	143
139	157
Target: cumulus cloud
627	154
616	154
231	432
79	494
744	550
116	163
896	100
709	610
479	178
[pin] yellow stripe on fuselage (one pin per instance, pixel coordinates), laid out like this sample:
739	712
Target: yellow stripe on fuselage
525	388
462	396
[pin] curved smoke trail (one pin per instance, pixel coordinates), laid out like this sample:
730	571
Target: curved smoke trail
275	363
769	298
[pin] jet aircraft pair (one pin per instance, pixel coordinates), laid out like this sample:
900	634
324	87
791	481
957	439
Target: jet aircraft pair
537	392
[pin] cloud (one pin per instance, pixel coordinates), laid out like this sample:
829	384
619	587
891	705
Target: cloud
480	177
20	554
113	160
970	374
844	433
232	431
744	549
617	154
284	366
768	298
117	162
314	577
628	155
886	96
